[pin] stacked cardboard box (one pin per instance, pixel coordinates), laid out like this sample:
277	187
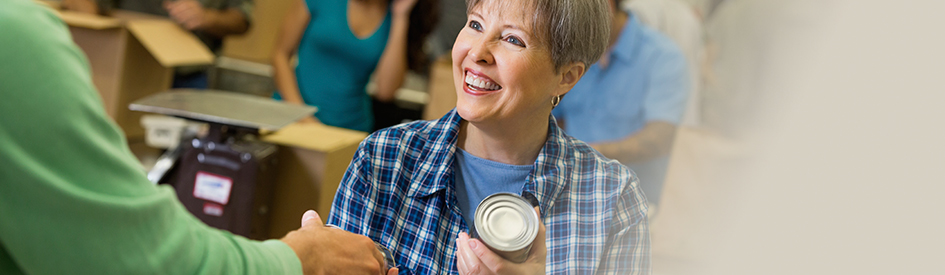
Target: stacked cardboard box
312	160
133	55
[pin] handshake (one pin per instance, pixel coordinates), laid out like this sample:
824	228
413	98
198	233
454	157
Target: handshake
330	250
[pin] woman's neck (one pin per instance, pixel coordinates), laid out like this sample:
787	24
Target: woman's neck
513	143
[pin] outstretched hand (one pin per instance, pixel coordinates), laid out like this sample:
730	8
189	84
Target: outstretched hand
326	250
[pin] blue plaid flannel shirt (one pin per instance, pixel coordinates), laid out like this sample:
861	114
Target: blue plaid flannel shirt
399	191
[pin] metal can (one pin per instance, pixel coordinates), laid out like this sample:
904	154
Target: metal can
508	225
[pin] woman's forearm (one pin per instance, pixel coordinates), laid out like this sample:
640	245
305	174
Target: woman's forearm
294	24
655	139
221	23
392	66
284	77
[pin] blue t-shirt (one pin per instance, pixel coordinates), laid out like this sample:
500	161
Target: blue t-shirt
335	66
477	178
646	80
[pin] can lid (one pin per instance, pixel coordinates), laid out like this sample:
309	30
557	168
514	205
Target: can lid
506	222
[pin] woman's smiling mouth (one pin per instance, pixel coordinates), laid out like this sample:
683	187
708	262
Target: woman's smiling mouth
480	83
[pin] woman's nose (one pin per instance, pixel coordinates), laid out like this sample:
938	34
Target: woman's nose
481	51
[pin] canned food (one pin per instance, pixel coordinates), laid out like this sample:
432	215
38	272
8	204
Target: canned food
388	256
507	224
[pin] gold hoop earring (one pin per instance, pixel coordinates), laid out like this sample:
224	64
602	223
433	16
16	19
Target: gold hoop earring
555	101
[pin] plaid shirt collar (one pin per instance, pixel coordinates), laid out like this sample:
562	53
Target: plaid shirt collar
546	181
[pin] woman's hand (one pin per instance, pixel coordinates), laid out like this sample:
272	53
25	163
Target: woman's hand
402	8
188	13
473	257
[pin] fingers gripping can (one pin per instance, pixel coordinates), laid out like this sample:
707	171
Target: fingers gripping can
508	225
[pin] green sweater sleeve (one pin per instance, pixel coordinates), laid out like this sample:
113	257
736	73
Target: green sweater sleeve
73	199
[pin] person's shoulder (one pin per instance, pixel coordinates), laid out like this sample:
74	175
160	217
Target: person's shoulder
661	54
18	16
32	34
660	45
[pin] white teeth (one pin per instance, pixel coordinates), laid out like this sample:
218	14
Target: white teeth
480	83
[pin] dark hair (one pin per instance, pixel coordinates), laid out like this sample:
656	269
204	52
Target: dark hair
423	19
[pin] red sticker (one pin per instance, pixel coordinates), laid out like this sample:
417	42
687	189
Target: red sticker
213	209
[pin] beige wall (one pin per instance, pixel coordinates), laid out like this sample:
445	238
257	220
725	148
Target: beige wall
840	170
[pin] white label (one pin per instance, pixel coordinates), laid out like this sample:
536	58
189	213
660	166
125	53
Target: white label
212	187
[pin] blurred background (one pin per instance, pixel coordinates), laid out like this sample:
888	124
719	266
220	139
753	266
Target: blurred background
810	141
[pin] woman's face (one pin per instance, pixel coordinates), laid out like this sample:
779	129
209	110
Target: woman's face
500	68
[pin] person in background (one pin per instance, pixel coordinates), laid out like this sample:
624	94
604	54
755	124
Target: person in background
73	198
413	188
629	104
209	20
680	22
339	45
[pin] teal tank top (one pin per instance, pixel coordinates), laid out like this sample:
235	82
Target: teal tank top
335	65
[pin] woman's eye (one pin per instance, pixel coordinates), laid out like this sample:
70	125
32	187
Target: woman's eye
515	41
475	25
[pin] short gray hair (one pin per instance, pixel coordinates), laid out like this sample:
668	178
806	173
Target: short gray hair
574	30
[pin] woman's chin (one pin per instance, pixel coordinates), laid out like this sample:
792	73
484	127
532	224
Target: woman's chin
469	113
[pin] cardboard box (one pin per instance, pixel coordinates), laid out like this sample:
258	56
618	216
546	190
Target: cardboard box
441	89
257	44
311	163
133	55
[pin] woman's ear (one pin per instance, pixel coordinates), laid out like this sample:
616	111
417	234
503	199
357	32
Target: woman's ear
570	74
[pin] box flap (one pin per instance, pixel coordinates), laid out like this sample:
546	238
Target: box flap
89	21
170	45
318	137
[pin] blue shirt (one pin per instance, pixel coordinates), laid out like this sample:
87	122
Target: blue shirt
335	66
477	178
646	80
400	191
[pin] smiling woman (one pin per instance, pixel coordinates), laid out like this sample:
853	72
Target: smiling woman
415	187
506	73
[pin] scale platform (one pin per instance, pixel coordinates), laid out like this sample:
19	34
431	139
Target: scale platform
221	110
226	108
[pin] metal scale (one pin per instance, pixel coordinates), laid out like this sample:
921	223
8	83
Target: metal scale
224	178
